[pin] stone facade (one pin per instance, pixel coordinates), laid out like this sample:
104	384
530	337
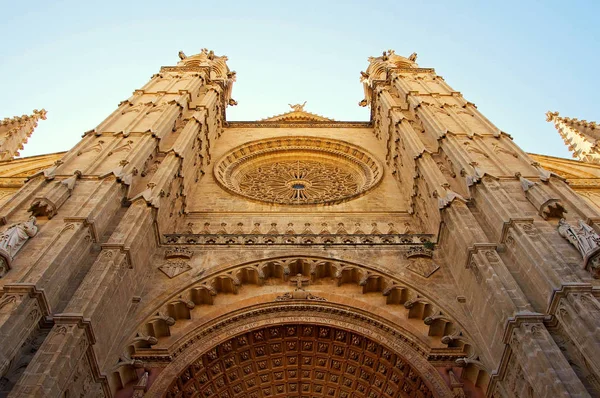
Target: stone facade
419	254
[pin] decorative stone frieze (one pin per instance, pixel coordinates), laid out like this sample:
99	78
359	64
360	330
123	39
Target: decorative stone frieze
299	239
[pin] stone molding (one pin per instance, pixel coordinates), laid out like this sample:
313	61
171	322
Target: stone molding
32	291
511	325
251	124
565	290
298	239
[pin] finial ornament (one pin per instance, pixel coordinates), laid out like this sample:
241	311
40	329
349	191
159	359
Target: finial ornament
413	57
551	115
586	240
298	107
182	55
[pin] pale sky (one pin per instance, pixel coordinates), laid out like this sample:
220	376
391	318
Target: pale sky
514	59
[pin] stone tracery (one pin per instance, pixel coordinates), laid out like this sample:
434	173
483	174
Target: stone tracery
298	170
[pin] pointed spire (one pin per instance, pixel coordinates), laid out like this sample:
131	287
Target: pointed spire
15	131
581	137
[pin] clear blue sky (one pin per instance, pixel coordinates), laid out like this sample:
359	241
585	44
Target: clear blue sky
514	59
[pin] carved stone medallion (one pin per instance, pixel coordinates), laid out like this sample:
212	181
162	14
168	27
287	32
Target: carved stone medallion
172	268
177	261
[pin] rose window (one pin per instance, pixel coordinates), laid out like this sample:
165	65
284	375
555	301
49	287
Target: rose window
298	171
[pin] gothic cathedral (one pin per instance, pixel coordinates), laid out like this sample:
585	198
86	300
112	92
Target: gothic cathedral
172	253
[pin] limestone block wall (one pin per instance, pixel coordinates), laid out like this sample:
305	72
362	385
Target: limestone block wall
140	251
80	270
525	261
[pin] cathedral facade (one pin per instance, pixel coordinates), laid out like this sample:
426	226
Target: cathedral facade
172	253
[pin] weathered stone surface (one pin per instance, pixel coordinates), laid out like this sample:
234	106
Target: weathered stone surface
418	254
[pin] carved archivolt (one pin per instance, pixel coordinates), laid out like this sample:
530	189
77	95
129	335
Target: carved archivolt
171	327
343	353
298	170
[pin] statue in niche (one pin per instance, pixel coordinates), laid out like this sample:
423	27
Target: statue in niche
298	107
13	239
586	240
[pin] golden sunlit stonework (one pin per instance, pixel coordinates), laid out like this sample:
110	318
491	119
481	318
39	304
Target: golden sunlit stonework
297	170
173	253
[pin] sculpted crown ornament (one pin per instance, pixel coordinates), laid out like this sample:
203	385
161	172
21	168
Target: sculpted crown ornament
419	251
178	252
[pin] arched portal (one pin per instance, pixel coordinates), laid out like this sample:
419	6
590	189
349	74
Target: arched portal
298	348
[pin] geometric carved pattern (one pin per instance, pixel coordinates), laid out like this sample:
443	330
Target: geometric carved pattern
298	170
175	267
299	360
299	181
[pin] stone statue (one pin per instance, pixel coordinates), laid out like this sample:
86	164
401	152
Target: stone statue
586	240
298	107
412	57
182	55
13	239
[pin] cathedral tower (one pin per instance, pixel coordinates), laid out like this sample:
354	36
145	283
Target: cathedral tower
172	253
579	135
15	131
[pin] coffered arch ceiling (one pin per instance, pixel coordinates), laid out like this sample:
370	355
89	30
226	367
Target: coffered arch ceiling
307	359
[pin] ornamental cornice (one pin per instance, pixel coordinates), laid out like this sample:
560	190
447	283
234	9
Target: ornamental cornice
366	240
565	290
513	323
196	69
584	182
32	291
412	70
258	124
476	248
510	224
521	319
